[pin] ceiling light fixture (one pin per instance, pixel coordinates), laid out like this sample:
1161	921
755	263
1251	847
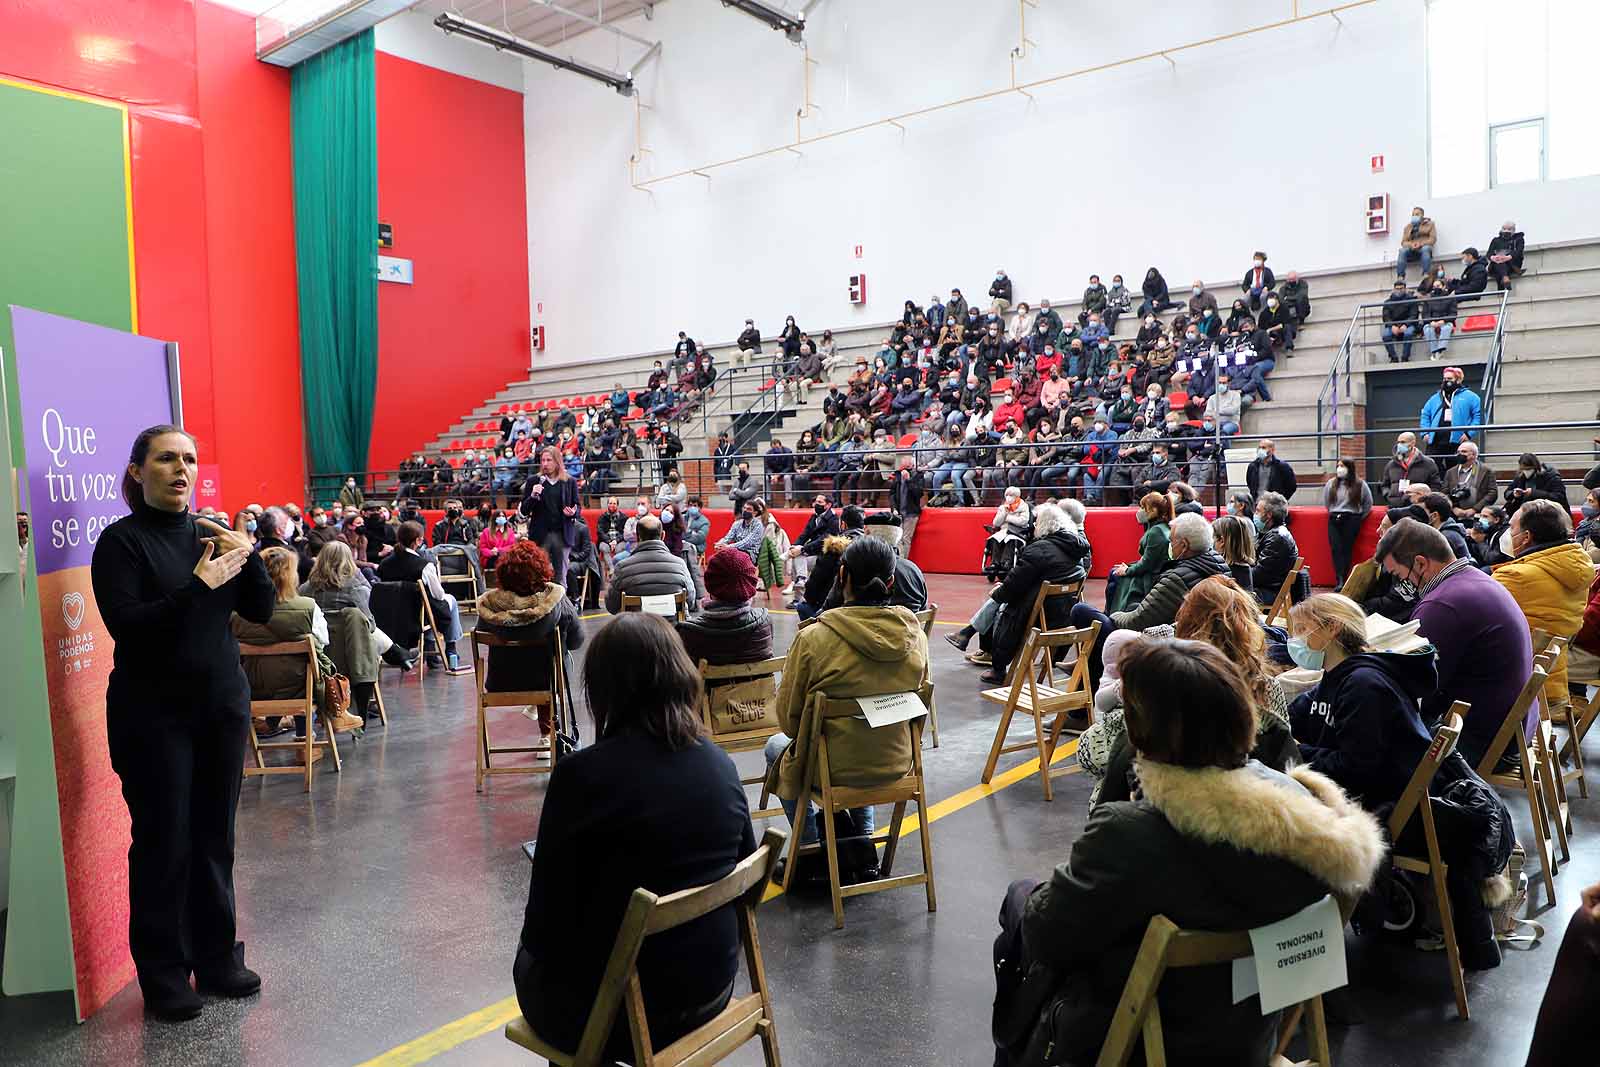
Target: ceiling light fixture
505	42
793	26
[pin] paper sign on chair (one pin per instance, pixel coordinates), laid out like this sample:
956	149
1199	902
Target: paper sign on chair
1295	959
890	708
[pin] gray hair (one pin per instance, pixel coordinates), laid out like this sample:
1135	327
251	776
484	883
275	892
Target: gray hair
274	522
1277	507
1194	529
1075	510
1053	518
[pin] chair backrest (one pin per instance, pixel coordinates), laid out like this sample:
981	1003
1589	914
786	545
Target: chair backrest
820	707
739	699
1444	743
306	646
648	914
1042	646
552	646
1280	603
925	619
1166	946
680	601
1047	590
1516	715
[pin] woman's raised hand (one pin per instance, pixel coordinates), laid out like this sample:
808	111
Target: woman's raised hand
217	571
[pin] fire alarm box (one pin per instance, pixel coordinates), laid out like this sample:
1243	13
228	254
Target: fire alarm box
538	338
1378	213
858	288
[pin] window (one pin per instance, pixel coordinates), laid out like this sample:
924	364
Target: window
1510	92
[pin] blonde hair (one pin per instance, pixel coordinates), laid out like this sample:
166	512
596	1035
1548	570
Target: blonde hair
1236	539
335	567
283	567
1336	612
1224	616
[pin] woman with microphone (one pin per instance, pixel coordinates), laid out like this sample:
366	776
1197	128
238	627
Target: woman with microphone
177	709
551	503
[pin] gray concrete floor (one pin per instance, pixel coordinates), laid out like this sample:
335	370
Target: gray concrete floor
386	904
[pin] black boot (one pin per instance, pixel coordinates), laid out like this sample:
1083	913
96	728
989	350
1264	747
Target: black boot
228	977
169	996
960	638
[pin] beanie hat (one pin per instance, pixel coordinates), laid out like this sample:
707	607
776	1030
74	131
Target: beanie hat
730	577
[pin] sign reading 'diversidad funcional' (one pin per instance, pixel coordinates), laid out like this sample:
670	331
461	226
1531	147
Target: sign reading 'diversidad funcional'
85	392
1295	959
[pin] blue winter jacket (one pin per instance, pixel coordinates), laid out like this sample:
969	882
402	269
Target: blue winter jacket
1466	410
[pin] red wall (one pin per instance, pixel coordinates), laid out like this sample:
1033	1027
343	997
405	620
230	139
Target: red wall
451	183
213	219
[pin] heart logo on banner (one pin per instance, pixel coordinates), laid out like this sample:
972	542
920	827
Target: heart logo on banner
72	609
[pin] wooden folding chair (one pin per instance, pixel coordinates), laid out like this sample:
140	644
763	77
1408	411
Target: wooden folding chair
1553	784
1416	799
427	625
555	698
1278	614
1038	617
647	915
1579	715
925	620
1035	693
831	798
680	603
309	748
1525	775
744	692
1164	947
468	602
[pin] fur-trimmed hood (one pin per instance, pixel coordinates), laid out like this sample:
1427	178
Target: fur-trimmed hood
502	607
1306	821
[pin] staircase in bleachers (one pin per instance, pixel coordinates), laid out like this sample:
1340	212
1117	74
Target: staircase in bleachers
1551	345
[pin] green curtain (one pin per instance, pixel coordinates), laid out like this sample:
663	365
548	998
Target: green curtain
334	112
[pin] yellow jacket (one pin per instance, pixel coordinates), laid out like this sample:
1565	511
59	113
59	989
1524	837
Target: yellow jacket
851	652
1551	586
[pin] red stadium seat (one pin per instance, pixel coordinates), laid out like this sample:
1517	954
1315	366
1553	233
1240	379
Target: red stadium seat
1478	323
455	461
636	413
768	384
1177	401
505	409
1001	385
906	441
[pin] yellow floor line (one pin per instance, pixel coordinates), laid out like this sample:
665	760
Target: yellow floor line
468	1027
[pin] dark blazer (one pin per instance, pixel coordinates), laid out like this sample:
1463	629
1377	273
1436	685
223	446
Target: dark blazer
544	514
623	814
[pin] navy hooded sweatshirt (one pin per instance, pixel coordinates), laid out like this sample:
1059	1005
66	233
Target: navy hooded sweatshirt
1361	726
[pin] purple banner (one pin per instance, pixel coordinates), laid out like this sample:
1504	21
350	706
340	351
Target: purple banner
85	392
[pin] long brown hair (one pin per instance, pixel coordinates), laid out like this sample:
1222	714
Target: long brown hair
283	567
561	467
638	676
1224	616
132	491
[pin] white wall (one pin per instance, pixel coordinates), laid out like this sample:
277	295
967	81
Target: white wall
412	35
1262	142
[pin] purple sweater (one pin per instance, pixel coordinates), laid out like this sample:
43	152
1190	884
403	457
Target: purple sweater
1485	654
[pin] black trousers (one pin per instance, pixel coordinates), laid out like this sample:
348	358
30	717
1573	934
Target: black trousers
1343	526
180	769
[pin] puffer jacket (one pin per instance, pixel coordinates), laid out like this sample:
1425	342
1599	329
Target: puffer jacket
727	633
650	570
851	651
1275	557
1210	849
526	618
1551	586
1161	603
1062	556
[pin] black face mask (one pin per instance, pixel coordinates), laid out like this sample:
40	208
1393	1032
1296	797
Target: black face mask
819	508
454	513
1449	385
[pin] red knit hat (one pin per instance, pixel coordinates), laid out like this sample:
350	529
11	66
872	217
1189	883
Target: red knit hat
730	576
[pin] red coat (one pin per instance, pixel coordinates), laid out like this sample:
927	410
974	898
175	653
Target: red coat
1588	637
1007	414
1043	364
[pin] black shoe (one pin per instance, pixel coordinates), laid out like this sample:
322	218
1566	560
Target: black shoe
434	662
173	1005
959	639
992	677
230	978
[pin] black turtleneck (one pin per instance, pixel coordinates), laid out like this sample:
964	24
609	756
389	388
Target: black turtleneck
174	645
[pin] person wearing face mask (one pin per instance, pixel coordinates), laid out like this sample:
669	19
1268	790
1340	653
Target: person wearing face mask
1437	314
1416	243
1348	501
1000	293
1102	456
322	531
1505	255
1408	467
1401	323
823	523
1474	277
1452	415
1535	480
1269	474
1118	303
1548	577
350	495
1276	550
1124	409
1485	533
1150	331
1258	281
1277	321
1587	532
452	529
498	537
1201	301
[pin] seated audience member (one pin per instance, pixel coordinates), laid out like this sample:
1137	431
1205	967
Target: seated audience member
407	564
1348	501
1469	484
821	579
1416	243
650	569
746	531
1474	278
1134	580
772	558
1276	550
1279	320
1486	535
1549	578
728	627
610	528
336	583
527	605
497	538
294	618
866	647
1208	815
1504	256
1235	541
1194	559
1566	1015
1474	625
1269	474
1058	553
673	493
1401	322
823	523
1225	617
1437	313
1535	480
1258	282
1157	297
1442	518
652	804
1409	467
1157	475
